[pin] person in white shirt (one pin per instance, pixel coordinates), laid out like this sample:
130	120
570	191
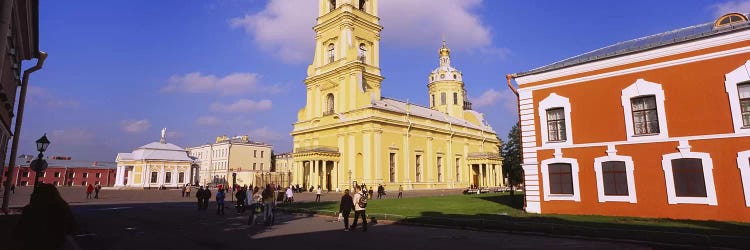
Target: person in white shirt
317	193
289	195
359	210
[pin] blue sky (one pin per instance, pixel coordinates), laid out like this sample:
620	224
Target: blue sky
119	71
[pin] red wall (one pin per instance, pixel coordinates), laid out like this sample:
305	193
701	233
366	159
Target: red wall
107	176
696	104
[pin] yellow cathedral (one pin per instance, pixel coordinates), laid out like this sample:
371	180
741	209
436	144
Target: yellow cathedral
349	134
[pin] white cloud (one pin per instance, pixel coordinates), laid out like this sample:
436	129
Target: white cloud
207	121
232	84
74	136
266	135
242	105
284	27
731	6
39	95
491	97
417	23
135	126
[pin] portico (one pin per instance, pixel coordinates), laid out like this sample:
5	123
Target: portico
319	167
486	169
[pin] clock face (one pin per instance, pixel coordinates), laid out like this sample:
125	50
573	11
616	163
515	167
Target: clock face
442	76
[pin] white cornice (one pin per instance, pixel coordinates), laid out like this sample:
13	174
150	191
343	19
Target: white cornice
638	57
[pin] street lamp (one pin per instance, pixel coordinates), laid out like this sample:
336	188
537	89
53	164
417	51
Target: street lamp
40	164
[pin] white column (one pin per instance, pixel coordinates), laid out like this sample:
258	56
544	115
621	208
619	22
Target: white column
481	175
314	175
146	176
119	176
367	155
378	156
338	174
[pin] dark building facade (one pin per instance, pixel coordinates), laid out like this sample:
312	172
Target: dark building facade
19	25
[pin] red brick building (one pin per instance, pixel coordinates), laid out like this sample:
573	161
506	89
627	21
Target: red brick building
653	127
63	171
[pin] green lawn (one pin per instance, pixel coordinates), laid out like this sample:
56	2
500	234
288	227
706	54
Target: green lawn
501	211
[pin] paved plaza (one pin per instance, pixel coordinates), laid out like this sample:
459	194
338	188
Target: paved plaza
181	226
162	219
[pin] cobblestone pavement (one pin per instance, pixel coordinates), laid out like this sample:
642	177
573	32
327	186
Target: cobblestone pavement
181	226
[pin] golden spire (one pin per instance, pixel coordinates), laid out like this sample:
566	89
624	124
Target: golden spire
444	51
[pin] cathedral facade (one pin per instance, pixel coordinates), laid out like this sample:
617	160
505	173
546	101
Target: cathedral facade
349	134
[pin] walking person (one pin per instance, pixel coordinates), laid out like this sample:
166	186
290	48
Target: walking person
199	195
359	202
345	208
317	194
268	202
183	191
206	197
13	188
380	191
252	201
400	191
89	190
96	191
241	200
289	195
220	202
187	190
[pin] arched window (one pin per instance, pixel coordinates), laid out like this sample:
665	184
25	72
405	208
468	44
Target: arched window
329	104
331	53
332	5
362	52
362	5
730	19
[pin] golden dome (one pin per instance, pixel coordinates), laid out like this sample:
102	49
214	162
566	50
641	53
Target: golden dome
445	51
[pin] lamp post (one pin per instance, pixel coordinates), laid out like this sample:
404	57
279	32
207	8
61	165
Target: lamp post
40	164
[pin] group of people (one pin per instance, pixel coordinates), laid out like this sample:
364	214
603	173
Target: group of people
358	203
186	190
93	189
203	195
255	199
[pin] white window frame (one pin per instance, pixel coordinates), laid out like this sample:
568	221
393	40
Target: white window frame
555	101
732	79
629	167
576	196
708	176
644	88
743	163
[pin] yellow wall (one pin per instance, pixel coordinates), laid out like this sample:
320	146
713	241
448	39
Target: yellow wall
366	136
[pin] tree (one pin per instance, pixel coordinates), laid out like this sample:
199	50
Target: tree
511	153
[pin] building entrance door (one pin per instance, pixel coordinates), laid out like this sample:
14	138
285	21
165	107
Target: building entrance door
328	181
476	180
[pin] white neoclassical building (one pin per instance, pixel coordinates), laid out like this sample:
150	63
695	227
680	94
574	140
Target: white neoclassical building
154	165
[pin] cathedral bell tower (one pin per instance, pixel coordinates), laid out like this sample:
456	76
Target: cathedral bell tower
446	87
345	72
